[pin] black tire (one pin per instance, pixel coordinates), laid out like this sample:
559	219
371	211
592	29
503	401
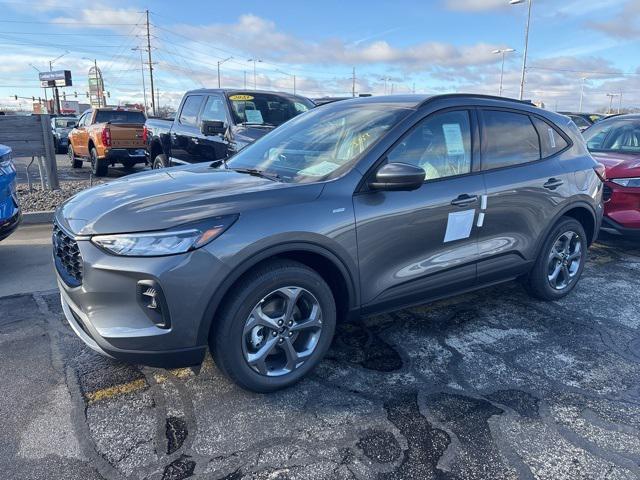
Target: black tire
161	161
539	283
56	145
99	167
75	163
227	338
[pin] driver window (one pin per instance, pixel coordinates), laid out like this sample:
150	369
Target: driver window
214	109
439	144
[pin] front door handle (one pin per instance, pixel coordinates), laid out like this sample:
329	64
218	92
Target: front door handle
464	200
553	183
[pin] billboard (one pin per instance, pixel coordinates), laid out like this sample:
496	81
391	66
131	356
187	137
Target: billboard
57	78
96	88
70	106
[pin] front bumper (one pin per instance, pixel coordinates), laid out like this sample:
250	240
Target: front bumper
106	311
10	215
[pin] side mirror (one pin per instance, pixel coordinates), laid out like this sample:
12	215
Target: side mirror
398	176
213	127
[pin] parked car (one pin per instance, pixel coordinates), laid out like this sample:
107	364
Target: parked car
10	214
213	124
106	136
361	206
583	120
61	127
615	142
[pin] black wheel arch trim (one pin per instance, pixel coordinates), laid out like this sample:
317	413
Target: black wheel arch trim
578	204
269	252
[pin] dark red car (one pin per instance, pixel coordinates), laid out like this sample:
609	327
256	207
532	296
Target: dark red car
615	143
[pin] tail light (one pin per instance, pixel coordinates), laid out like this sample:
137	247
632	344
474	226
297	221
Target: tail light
601	172
145	134
106	137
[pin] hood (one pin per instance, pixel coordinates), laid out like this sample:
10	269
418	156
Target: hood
619	165
165	198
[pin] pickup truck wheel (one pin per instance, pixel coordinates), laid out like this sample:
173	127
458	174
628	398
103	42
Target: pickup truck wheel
161	161
75	163
274	327
98	167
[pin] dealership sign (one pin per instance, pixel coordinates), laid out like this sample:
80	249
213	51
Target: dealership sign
58	78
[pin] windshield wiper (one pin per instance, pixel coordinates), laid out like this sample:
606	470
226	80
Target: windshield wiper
258	173
256	124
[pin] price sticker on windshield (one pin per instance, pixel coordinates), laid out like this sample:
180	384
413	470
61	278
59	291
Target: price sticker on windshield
240	98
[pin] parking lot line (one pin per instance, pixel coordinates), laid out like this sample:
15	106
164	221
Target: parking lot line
116	390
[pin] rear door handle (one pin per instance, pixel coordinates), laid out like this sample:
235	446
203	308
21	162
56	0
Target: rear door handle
464	200
553	183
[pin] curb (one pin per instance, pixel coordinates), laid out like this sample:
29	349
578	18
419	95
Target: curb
34	218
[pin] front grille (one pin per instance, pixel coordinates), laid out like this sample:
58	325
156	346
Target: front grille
67	257
606	193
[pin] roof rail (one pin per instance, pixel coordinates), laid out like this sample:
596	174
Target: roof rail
476	95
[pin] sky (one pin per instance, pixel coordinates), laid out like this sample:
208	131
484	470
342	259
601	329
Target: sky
395	47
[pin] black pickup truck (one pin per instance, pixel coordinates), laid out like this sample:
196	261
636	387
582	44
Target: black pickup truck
213	124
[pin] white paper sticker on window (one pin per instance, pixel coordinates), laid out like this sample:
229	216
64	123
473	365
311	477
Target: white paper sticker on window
552	137
253	116
459	225
453	138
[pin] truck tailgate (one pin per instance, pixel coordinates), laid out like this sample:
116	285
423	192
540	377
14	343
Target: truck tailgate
126	135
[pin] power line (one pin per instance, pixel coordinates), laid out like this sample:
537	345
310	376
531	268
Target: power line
562	70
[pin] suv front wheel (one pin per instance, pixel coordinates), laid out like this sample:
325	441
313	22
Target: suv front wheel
276	326
560	262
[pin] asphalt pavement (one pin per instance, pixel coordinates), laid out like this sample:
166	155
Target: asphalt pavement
490	385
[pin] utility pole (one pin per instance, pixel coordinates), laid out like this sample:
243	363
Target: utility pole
153	102
620	102
245	79
611	95
254	60
353	82
581	93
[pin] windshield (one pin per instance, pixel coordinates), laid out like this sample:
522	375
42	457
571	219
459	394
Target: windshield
65	122
320	144
119	116
265	108
614	136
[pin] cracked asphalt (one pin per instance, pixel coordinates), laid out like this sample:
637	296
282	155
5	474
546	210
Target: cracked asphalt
489	385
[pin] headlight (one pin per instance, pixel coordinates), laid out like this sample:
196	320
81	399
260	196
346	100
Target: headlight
181	239
6	165
627	182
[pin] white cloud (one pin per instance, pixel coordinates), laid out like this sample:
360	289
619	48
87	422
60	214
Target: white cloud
475	5
624	25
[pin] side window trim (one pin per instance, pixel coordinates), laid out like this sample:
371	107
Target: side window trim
483	137
200	107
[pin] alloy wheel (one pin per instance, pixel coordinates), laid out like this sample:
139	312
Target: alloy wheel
565	259
282	331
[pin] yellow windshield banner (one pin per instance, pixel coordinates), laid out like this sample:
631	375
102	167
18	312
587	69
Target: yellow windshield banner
240	98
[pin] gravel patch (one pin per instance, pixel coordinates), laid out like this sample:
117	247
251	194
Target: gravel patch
43	200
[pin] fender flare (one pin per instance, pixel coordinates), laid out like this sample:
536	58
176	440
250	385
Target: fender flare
561	213
221	292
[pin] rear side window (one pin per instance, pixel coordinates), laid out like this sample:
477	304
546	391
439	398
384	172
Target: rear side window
509	139
214	109
551	142
190	109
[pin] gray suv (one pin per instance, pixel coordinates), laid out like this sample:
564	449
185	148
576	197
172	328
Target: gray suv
356	207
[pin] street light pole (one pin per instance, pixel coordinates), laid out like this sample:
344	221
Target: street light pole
581	93
56	94
144	88
526	43
502	51
220	62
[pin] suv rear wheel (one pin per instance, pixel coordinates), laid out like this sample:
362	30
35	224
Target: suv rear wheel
276	326
98	167
560	262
